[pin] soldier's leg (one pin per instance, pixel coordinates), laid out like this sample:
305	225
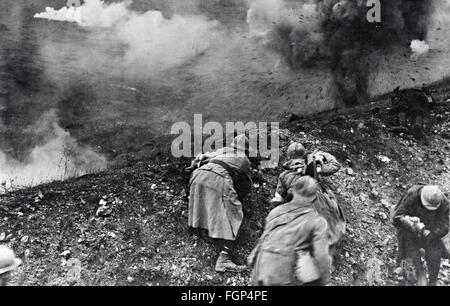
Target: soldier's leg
227	246
401	117
445	251
4	278
433	254
418	120
224	261
418	266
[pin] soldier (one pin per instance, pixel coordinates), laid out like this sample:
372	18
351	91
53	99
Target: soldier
294	248
324	164
294	168
422	220
326	203
217	189
315	164
8	262
412	105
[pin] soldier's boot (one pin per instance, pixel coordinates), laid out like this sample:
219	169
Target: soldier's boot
225	264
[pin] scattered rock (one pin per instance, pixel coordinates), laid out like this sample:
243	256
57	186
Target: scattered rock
373	275
74	272
350	171
374	193
39	197
383	215
385	203
65	254
103	211
24	239
384	159
153	187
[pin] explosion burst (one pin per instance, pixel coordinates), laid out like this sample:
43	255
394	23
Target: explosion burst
339	33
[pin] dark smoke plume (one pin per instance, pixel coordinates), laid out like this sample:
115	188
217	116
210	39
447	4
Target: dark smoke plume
352	39
339	33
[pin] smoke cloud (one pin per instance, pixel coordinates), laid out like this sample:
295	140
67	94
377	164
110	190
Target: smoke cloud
113	67
146	43
97	52
419	48
58	157
314	32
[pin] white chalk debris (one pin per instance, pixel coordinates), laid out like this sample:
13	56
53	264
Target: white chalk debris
69	14
419	48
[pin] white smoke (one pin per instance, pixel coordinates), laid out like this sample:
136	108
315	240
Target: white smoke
158	43
71	14
91	13
262	15
419	48
59	157
154	43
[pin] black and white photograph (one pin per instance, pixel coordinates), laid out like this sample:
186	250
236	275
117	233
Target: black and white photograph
224	147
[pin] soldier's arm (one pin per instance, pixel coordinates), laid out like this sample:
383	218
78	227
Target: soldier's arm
203	158
320	250
281	191
330	194
210	155
404	210
442	226
195	163
330	164
277	198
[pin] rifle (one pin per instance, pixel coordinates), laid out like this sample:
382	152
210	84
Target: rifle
316	176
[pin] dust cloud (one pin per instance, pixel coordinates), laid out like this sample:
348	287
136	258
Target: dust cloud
146	42
308	33
110	68
58	157
106	46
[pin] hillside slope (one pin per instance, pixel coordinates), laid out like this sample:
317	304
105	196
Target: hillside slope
140	236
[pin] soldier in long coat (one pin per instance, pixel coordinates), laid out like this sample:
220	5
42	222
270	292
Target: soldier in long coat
217	189
294	247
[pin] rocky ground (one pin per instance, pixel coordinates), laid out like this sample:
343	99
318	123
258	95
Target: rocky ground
128	225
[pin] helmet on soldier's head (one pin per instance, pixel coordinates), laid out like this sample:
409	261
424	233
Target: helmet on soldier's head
431	197
306	187
242	144
296	150
8	260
